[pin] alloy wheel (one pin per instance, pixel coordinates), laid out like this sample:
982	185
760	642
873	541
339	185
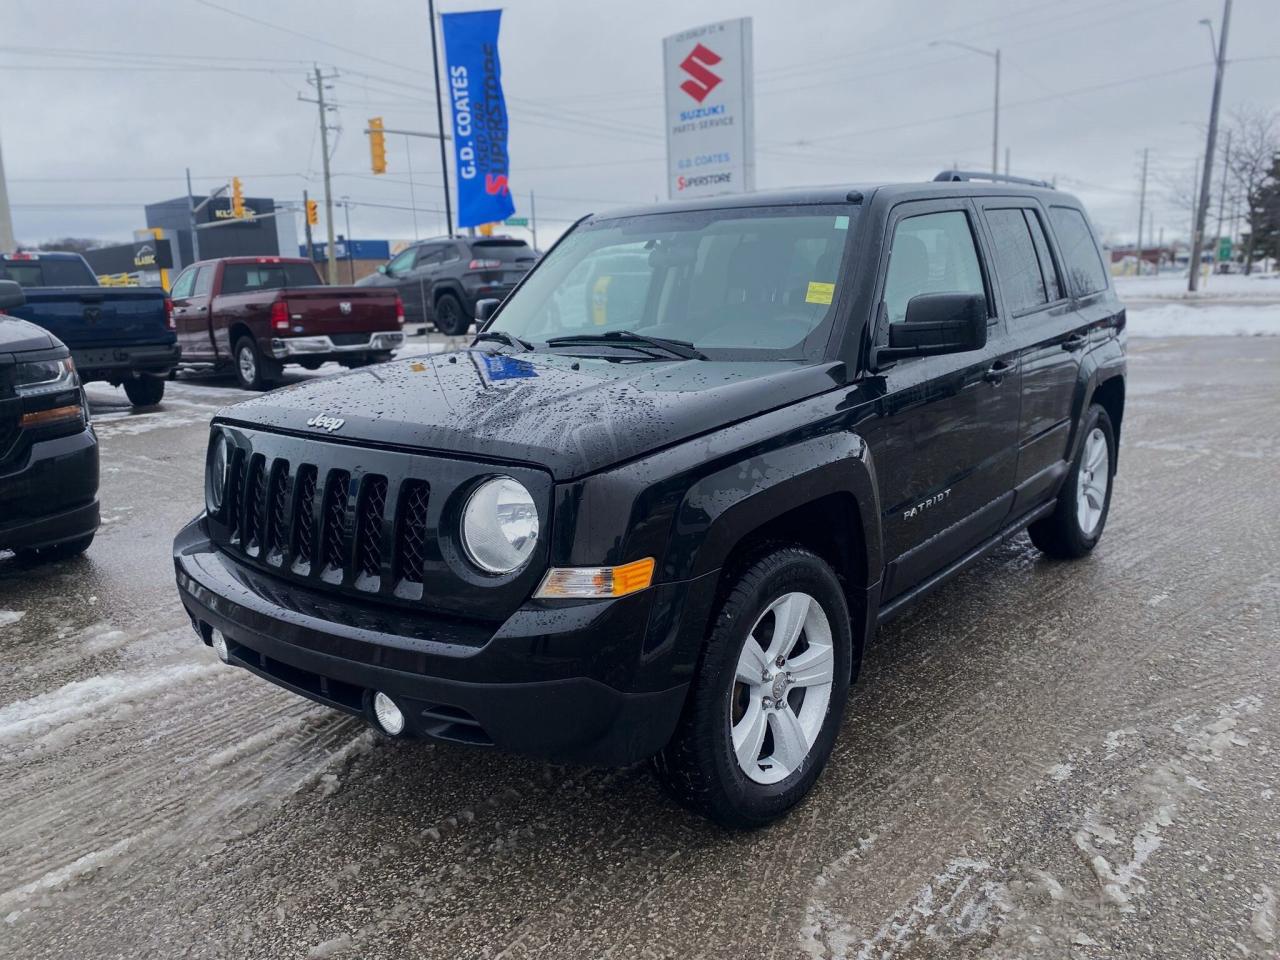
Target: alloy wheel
782	688
1092	480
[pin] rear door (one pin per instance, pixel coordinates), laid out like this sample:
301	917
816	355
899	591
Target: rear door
945	444
1046	330
414	284
191	325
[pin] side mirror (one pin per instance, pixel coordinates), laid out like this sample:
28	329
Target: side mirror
11	295
938	323
485	309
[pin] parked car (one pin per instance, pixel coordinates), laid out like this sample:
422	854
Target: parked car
48	451
256	314
673	533
121	335
441	280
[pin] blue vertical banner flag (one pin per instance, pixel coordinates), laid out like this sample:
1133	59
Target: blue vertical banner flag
479	116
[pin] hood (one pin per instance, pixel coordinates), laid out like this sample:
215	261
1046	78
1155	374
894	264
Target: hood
570	415
18	336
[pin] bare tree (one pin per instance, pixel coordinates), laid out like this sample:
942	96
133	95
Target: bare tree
71	244
1255	141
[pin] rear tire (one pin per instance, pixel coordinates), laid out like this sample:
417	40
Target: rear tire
736	756
451	319
59	551
1075	526
144	391
253	370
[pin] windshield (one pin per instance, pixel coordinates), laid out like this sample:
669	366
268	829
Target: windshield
48	273
246	277
748	283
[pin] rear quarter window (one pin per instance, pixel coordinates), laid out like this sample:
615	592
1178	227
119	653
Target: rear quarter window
1080	256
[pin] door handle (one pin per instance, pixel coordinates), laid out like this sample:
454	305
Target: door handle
998	371
1075	341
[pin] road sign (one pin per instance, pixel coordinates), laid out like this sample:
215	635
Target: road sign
516	221
1224	248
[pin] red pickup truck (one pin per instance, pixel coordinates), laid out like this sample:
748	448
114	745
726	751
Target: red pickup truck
255	314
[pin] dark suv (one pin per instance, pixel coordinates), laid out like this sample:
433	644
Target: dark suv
668	524
441	280
48	453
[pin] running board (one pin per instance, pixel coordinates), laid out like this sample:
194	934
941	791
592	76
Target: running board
899	604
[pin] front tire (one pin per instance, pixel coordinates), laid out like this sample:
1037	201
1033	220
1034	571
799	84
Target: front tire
451	319
765	705
1075	526
144	391
252	371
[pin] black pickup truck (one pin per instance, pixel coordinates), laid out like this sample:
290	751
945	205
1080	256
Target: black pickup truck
123	335
669	525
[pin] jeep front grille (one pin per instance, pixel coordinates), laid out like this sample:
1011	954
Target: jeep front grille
334	539
304	517
373	500
411	541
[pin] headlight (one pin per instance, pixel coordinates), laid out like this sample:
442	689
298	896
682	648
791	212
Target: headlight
37	377
215	481
500	525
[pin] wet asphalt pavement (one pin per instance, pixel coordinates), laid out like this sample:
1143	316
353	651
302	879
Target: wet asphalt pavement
1043	759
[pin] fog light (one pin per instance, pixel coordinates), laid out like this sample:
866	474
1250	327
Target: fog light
388	715
220	646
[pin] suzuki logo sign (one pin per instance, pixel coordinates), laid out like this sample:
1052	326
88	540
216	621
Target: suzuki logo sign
701	80
709	114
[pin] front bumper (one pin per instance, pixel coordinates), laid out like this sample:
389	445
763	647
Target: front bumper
117	364
599	683
284	347
49	496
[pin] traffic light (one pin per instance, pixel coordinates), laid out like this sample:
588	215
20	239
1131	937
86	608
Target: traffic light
313	213
377	145
237	197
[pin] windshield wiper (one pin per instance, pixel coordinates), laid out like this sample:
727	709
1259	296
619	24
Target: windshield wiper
678	348
501	336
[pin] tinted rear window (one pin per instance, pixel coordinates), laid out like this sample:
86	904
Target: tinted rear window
1016	261
1080	255
48	273
248	277
507	250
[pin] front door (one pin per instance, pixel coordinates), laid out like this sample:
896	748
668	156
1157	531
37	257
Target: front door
945	443
191	315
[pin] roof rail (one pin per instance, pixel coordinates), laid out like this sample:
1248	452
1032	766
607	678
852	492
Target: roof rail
955	176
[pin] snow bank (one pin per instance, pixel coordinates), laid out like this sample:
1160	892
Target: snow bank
1209	320
1218	286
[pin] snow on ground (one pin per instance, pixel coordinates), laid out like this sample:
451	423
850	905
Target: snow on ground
8	617
1173	286
1204	320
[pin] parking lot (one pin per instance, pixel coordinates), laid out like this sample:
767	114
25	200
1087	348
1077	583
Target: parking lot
1041	760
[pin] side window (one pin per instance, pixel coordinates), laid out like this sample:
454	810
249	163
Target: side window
931	253
1080	254
204	282
428	256
182	286
1053	283
402	262
451	253
1017	267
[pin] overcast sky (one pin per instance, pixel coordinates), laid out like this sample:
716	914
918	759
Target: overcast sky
106	103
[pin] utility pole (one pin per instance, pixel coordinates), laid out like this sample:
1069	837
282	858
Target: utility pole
1222	194
351	263
995	120
1206	175
191	221
435	76
7	240
306	221
1142	210
319	81
1006	161
533	220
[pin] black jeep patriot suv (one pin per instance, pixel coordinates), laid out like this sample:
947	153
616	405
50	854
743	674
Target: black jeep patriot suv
667	525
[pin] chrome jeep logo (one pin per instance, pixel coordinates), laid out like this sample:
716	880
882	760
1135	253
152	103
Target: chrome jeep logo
330	424
344	306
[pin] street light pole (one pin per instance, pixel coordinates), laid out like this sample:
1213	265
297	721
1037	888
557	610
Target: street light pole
435	76
1206	172
995	116
351	263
